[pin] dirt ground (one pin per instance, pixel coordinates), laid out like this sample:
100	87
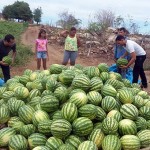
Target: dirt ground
56	55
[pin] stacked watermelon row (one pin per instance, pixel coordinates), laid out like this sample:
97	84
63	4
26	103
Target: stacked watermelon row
74	108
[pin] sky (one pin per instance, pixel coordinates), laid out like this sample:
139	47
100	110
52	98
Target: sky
85	9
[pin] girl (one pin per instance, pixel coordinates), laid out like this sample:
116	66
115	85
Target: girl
41	49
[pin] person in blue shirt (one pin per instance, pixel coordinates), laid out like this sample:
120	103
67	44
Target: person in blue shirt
120	50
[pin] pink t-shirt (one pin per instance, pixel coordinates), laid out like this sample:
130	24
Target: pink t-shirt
41	45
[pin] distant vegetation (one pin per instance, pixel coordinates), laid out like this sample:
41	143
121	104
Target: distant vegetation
16	29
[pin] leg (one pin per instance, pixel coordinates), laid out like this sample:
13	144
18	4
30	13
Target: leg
136	72
38	63
66	57
44	63
6	72
123	73
73	57
142	73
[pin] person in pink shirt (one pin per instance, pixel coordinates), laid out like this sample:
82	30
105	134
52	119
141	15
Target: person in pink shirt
41	49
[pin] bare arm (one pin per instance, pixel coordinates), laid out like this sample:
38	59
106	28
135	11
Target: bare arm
124	55
64	33
132	60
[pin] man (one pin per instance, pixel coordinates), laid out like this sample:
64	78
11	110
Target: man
72	43
138	55
6	45
120	50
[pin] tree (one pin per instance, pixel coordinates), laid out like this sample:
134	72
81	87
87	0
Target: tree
119	21
67	20
37	13
19	10
7	12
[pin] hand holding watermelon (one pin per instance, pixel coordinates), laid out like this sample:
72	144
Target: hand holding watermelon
6	61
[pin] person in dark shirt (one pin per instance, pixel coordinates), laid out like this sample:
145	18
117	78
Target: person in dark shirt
6	45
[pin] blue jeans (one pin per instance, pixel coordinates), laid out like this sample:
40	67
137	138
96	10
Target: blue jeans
42	55
72	55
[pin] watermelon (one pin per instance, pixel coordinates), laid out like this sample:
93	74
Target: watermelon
111	142
87	145
66	147
69	112
96	84
56	68
18	142
57	115
93	72
141	123
101	114
60	128
7	60
121	62
4	114
5	135
41	148
138	101
82	126
104	76
103	67
130	142
36	139
115	114
21	92
145	112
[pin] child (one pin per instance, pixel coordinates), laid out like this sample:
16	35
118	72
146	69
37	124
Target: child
41	49
72	43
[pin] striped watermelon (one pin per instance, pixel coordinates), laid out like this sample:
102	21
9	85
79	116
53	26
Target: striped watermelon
141	123
27	72
97	137
125	96
138	101
145	112
148	124
109	126
7	95
75	91
108	90
34	101
87	145
121	62
74	140
115	114
93	72
21	92
115	83
82	126
104	76
57	115
129	111
60	128
61	94
24	79
66	147
126	82
34	93
39	116
82	82
144	137
69	112
12	120
101	114
27	130
97	125
29	86
103	67
5	135
56	68
25	114
79	99
2	90
44	127
96	84
115	75
4	114
49	103
53	143
18	142
7	60
94	97
33	76
36	139
127	127
108	103
130	142
46	92
88	110
111	142
143	94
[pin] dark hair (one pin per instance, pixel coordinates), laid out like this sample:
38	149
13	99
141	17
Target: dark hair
124	30
41	31
73	29
9	37
120	37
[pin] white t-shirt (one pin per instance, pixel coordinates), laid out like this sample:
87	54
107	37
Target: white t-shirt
132	46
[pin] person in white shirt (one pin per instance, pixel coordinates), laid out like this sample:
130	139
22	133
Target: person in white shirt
138	55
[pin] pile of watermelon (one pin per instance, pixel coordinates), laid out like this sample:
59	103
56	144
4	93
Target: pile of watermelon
74	108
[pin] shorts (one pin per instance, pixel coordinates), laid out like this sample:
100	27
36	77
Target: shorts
42	55
72	55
